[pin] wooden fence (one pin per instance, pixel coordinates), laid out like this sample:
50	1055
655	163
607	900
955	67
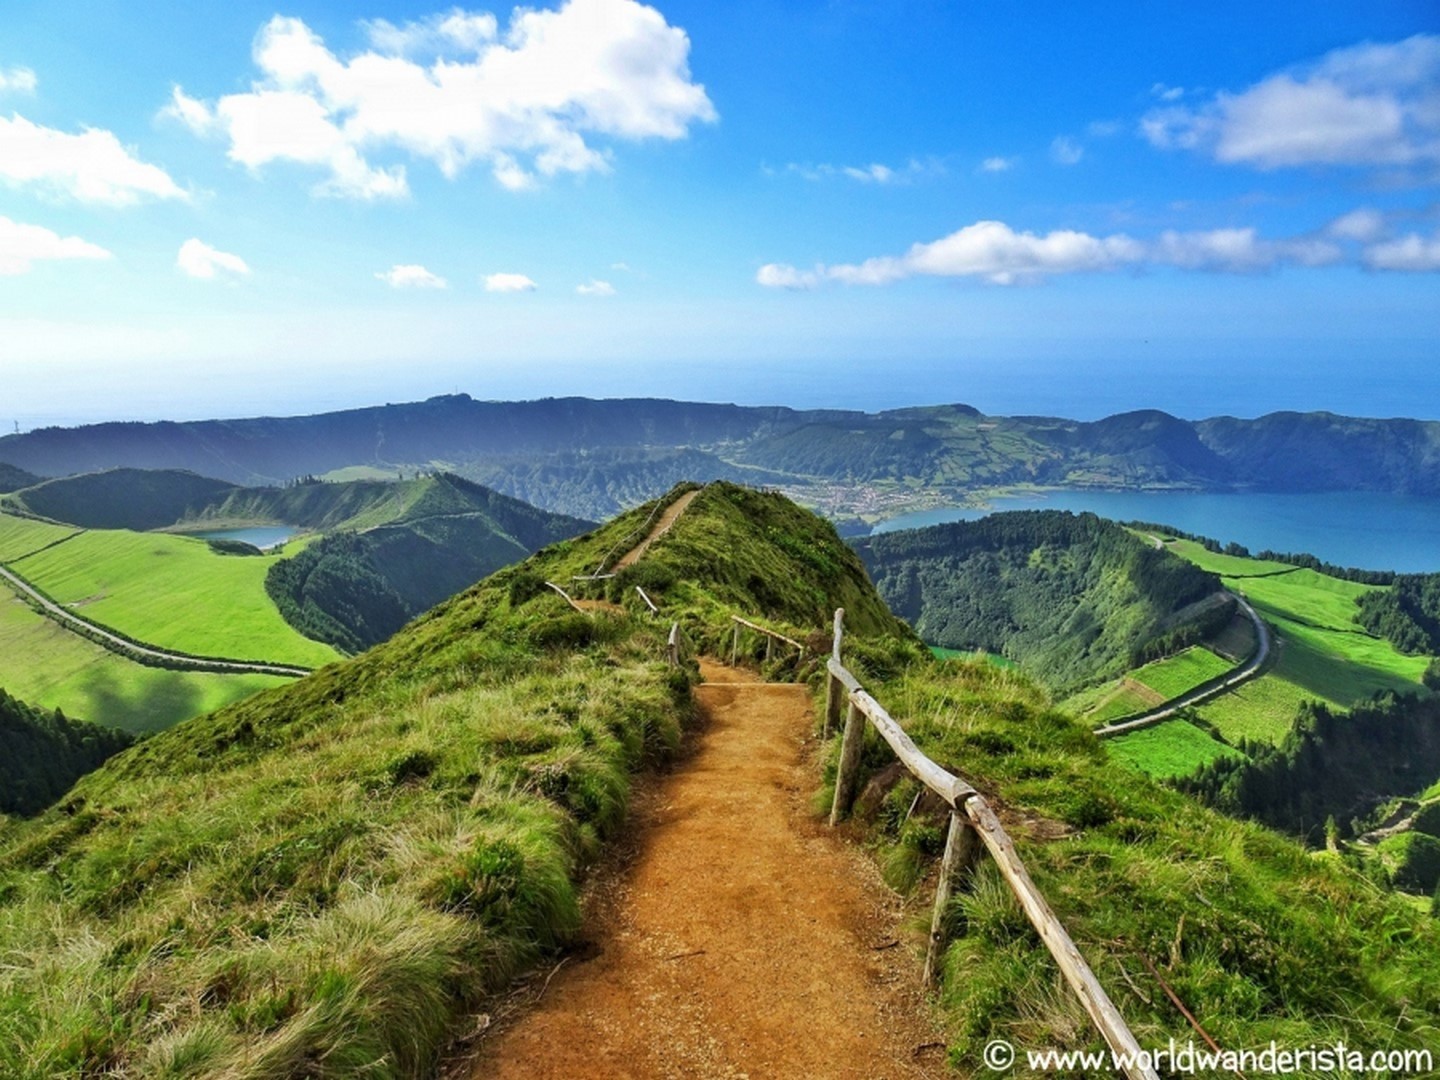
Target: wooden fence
771	636
974	829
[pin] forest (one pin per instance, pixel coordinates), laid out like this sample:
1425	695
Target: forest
46	752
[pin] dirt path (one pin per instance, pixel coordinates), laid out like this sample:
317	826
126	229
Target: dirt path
668	518
739	939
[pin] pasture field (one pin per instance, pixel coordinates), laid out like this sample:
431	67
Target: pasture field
174	592
1305	596
1174	748
1224	565
50	667
1184	671
21	536
1110	701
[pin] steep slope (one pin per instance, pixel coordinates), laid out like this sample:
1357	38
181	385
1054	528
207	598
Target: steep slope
325	877
1073	598
46	752
121	498
13	479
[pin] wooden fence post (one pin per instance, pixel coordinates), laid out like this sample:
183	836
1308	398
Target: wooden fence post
769	644
735	647
962	847
834	689
849	769
839	633
672	646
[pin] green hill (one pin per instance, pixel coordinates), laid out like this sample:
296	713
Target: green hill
325	878
136	499
13	479
45	753
355	589
1075	599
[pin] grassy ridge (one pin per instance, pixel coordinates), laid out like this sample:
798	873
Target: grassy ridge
335	871
47	665
170	591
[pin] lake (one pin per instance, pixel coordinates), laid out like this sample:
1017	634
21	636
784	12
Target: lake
263	537
1350	528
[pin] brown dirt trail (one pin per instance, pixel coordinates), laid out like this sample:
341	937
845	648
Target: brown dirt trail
668	518
740	939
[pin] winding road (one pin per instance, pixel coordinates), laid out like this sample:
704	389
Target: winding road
134	650
1243	673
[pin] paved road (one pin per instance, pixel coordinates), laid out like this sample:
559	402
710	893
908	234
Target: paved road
117	644
1241	674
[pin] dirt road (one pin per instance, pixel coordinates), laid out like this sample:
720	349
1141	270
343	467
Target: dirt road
739	939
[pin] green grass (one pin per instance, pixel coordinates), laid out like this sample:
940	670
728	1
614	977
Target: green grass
170	591
1262	709
21	536
1108	701
1184	671
48	666
1305	596
1224	565
1174	748
942	653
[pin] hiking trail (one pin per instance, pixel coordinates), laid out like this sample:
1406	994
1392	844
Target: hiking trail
733	936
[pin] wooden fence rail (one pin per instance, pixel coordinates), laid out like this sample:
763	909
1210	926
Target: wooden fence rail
974	829
648	602
771	636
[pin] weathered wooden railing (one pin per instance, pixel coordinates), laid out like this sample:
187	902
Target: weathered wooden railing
648	602
973	828
672	645
771	636
569	599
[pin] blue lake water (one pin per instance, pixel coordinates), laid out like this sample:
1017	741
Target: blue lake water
1353	528
263	537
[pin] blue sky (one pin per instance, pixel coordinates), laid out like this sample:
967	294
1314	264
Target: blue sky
1072	209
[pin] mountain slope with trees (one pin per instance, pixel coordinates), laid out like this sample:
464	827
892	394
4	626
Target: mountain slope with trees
44	753
1073	598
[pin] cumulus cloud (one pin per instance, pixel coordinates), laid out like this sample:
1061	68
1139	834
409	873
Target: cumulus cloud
1412	253
1363	225
1066	151
200	260
596	288
998	164
1373	104
529	102
994	252
508	283
21	246
91	167
412	276
19	80
1167	93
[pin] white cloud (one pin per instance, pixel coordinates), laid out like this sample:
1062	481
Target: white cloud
1368	104
1364	225
200	260
508	283
18	80
596	288
1412	252
1167	93
456	90
91	167
1066	151
21	246
412	276
874	173
998	164
992	251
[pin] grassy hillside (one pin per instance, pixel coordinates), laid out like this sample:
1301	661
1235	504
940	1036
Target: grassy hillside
337	869
171	591
1075	599
45	753
47	665
119	498
13	479
325	877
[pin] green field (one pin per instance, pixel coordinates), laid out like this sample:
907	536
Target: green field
48	666
21	536
1109	701
1224	565
170	591
1175	675
1306	596
1174	748
942	653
